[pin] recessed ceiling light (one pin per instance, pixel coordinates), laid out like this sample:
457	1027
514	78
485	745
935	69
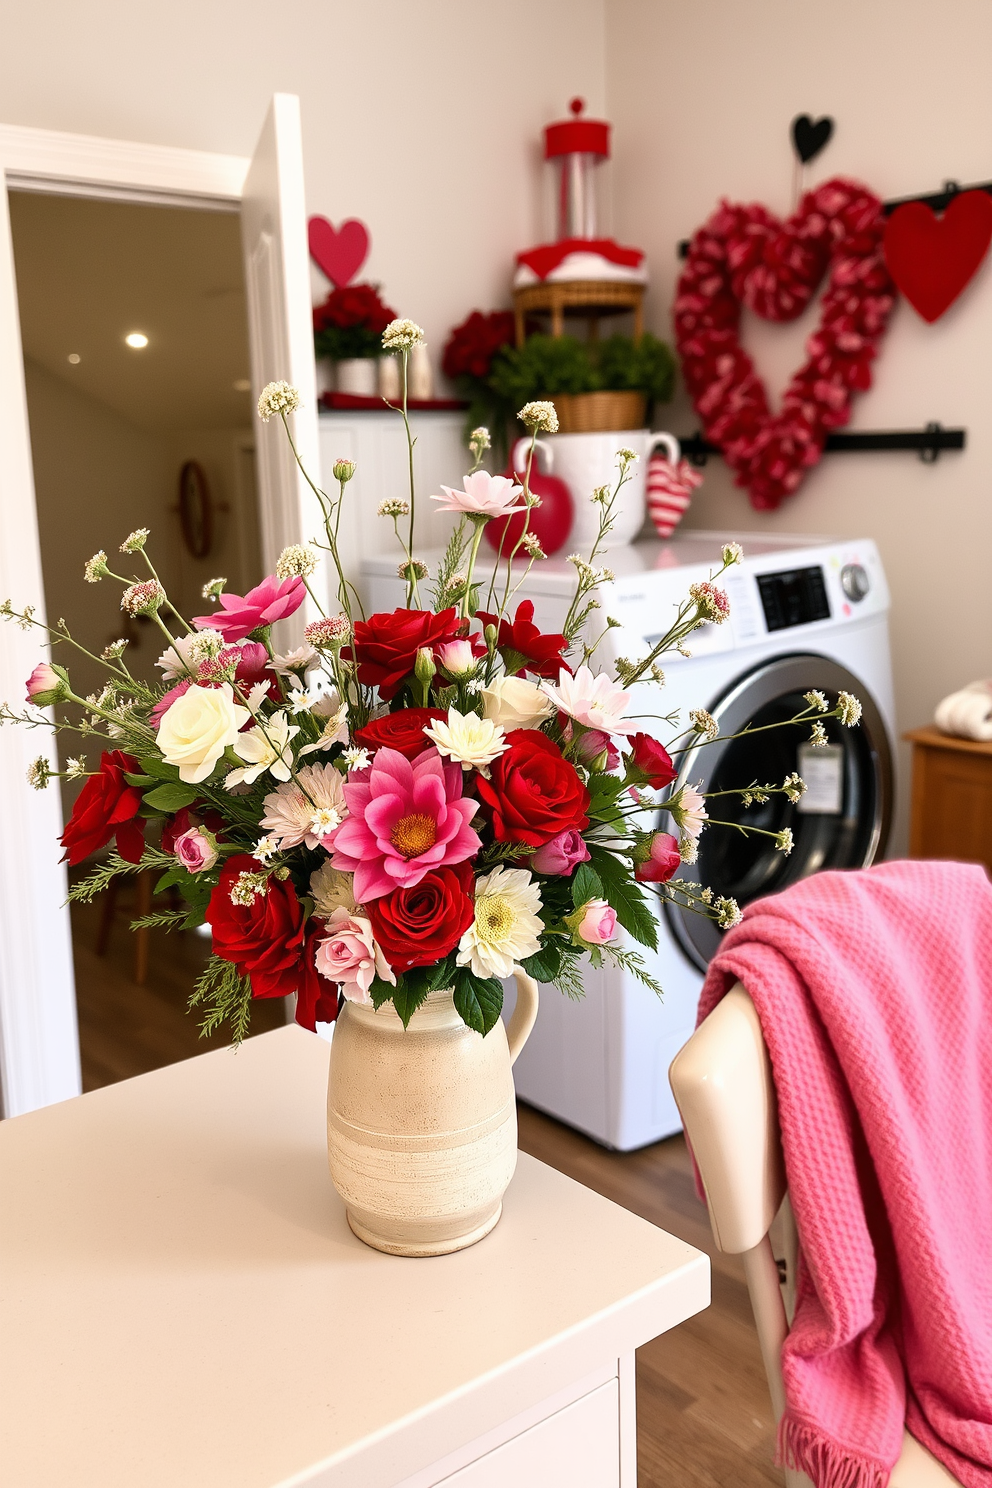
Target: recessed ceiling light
73	357
243	385
137	340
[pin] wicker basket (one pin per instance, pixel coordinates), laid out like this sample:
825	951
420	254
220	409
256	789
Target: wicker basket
599	413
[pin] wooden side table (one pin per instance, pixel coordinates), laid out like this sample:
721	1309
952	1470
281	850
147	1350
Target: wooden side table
951	807
591	298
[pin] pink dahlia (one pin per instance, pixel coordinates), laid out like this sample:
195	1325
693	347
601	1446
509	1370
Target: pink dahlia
271	600
404	819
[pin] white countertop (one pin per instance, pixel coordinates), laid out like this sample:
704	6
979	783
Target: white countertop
182	1302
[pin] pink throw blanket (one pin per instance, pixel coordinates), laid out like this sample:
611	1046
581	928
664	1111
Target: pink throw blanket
874	991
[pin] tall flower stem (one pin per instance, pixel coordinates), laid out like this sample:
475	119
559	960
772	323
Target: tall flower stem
479	523
412	590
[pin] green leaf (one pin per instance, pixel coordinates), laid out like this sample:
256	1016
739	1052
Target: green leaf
411	989
478	1001
156	766
585	885
603	793
171	797
622	892
441	975
545	964
380	992
139	780
172	876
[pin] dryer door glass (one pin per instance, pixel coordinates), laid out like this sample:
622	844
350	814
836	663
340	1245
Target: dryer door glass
841	822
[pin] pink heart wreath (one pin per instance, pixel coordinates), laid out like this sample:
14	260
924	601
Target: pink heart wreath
745	255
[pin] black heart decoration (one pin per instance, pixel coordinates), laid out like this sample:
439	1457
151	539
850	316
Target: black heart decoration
809	137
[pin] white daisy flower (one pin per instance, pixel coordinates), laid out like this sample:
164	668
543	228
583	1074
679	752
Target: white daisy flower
507	923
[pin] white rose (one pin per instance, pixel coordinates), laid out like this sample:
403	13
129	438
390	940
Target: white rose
197	729
514	703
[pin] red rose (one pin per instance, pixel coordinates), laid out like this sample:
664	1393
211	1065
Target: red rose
470	348
533	793
652	760
354	305
523	647
420	925
386	646
106	806
316	999
402	731
265	940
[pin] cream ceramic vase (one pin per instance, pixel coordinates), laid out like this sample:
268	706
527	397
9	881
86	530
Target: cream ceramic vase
422	1123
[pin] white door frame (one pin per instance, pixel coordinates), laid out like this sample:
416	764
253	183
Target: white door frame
39	1050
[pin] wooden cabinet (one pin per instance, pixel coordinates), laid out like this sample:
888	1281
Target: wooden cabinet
951	808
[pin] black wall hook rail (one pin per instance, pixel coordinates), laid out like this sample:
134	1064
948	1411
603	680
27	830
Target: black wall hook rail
937	201
927	443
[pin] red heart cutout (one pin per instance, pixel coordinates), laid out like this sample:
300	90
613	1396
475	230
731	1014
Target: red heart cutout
932	258
745	255
341	251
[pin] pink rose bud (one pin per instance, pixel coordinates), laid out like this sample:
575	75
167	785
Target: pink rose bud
196	850
561	854
44	685
598	923
662	862
456	658
596	749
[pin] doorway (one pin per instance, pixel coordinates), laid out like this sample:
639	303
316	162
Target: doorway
134	336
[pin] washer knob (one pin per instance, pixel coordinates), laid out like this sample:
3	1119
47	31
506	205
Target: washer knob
854	581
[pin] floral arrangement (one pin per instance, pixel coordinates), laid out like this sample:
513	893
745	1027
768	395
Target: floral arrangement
350	323
402	802
745	255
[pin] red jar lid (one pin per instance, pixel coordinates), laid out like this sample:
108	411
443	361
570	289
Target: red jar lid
577	136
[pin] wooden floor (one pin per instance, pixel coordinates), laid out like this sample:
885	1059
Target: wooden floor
704	1417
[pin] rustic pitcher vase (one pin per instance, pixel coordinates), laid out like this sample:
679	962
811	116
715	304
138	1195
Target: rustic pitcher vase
422	1122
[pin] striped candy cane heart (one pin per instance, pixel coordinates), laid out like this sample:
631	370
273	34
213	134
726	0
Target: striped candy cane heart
669	491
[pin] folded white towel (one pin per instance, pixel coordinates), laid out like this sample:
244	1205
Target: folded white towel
967	713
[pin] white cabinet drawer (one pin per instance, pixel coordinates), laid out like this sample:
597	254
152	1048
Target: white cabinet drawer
578	1447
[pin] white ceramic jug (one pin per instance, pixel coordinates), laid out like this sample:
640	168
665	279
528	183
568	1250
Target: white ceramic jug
422	1121
586	461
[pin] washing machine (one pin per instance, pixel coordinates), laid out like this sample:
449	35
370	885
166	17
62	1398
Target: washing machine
804	613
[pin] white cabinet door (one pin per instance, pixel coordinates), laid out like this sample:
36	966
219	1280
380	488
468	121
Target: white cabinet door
578	1447
277	277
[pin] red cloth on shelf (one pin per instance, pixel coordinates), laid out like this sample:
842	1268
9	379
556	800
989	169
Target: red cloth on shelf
874	991
547	256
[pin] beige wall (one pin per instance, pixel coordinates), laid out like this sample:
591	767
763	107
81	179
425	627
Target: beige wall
97	477
422	117
702	95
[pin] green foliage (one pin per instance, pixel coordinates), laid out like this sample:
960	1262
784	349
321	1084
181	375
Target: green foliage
543	365
585	885
225	995
645	366
166	919
546	365
152	765
632	962
171	797
603	793
622	893
478	1000
545	964
86	890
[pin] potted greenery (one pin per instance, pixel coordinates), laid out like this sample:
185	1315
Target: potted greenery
347	329
594	385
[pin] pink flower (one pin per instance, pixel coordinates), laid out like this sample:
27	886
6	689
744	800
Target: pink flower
593	746
663	861
165	703
594	701
196	850
405	819
271	600
457	658
561	854
350	956
598	922
44	685
483	495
